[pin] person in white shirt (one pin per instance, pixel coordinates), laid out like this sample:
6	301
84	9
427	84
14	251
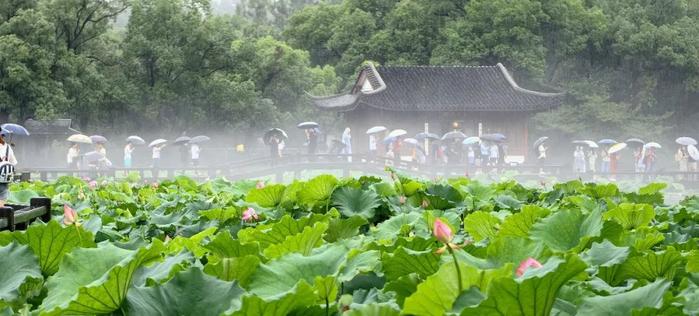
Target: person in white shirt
156	155
494	154
128	155
194	149
73	156
372	145
100	149
7	156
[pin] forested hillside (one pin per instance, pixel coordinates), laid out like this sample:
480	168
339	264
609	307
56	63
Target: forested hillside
627	65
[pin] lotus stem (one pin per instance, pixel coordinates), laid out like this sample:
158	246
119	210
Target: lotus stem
458	269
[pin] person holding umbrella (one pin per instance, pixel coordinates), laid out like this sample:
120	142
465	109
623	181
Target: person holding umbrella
312	139
157	147
347	143
72	158
7	163
579	162
128	153
682	158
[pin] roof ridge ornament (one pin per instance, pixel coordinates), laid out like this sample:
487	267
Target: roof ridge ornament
515	86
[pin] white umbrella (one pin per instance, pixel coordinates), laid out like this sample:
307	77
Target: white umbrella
157	142
617	148
411	141
135	140
686	141
397	133
454	135
308	125
693	152
376	129
79	138
591	144
652	145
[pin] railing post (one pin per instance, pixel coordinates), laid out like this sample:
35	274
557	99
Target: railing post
8	214
45	202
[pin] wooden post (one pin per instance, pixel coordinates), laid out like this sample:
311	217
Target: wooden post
45	202
8	214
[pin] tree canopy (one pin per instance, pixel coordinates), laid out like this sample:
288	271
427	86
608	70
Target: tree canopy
625	65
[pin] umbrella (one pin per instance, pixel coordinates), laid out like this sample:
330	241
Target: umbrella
15	129
182	140
617	148
684	140
497	137
423	135
540	141
454	135
607	141
397	133
4	132
98	139
93	156
652	145
308	125
376	129
635	141
411	141
693	152
135	140
274	131
389	140
157	142
79	138
199	139
471	140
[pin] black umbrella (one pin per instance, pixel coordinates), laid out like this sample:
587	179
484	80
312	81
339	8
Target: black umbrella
423	135
635	141
272	132
308	125
182	140
497	137
540	141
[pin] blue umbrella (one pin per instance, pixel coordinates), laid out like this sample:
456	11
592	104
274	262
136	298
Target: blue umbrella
423	135
389	140
15	129
496	137
607	141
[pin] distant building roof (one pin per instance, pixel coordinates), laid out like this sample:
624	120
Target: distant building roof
439	88
54	127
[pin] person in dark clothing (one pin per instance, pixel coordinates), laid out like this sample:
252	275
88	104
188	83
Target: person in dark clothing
274	147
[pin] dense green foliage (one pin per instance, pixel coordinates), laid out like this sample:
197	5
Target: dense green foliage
626	64
353	247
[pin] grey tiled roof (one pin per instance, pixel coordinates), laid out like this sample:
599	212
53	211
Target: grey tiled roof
439	88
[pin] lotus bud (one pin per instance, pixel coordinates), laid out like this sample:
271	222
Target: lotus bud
250	215
526	264
69	215
442	231
260	185
402	199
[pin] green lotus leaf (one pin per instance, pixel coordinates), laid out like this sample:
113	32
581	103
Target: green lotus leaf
220	214
270	196
351	202
605	254
229	269
51	242
650	295
18	265
193	244
341	228
95	280
631	216
513	250
22	197
437	294
190	292
566	229
224	246
396	226
317	190
278	232
531	295
374	309
519	224
281	275
284	303
160	272
481	225
405	261
360	262
302	243
651	266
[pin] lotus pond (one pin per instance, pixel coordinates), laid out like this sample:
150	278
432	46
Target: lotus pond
356	246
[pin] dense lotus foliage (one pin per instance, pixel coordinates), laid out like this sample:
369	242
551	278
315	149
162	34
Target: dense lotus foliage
362	246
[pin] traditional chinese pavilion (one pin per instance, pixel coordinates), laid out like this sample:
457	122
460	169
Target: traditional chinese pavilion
475	99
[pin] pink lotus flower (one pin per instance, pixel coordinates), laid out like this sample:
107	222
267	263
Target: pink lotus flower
92	184
260	185
155	185
526	264
442	231
70	216
250	215
402	199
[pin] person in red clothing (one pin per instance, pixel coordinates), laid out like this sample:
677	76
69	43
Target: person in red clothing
613	158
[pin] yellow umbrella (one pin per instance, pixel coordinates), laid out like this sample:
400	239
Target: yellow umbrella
616	148
79	138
